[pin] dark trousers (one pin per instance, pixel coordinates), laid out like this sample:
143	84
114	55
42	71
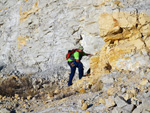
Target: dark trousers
78	65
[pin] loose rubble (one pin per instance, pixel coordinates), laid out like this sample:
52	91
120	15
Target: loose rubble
127	92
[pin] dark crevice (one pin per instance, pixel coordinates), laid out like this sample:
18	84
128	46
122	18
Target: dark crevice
74	31
79	39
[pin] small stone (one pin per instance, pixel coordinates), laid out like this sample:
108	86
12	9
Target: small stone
135	101
1	97
20	102
50	95
16	96
128	95
123	90
84	106
102	101
45	85
4	97
57	91
144	82
14	77
89	86
120	101
82	91
128	108
111	91
45	102
29	97
82	101
110	102
134	91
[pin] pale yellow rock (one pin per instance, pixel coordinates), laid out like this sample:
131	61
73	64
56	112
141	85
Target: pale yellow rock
104	19
149	89
82	91
29	97
97	85
24	15
145	30
94	59
22	99
88	86
124	17
128	96
1	97
22	41
78	84
16	96
109	23
45	102
4	98
147	41
116	42
82	101
62	100
123	35
84	106
144	82
14	77
50	95
20	102
3	9
144	18
57	91
134	91
111	91
117	2
102	101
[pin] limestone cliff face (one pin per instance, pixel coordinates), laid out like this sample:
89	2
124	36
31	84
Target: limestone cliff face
35	35
126	32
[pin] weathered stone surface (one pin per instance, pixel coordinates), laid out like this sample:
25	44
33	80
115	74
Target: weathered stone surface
34	30
139	109
123	35
4	110
128	108
120	102
110	102
84	106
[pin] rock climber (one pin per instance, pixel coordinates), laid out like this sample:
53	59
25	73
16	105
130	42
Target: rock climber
74	61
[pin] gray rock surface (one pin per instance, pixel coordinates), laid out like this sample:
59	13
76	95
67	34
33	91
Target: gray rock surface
4	110
47	30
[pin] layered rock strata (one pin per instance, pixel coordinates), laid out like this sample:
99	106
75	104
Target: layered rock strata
126	33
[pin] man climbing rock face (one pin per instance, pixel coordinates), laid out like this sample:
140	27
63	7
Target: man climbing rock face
74	61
